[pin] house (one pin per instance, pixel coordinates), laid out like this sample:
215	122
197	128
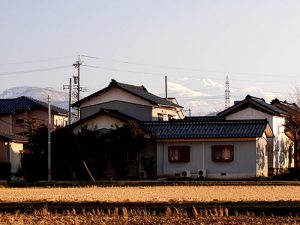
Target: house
17	115
292	125
119	103
211	147
11	150
281	147
131	100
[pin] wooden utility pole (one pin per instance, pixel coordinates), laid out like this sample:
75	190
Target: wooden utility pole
77	65
49	139
69	87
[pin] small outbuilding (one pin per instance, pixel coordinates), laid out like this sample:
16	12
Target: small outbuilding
211	148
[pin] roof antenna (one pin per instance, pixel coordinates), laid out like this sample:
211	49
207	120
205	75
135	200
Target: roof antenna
166	87
227	93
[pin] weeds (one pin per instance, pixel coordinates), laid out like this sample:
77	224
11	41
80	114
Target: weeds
126	216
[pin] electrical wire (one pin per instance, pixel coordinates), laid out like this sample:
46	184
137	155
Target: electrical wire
37	61
191	69
32	71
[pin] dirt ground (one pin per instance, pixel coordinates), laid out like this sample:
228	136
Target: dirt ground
152	194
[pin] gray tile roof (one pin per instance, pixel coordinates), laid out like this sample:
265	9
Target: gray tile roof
113	113
253	102
23	103
204	118
139	91
207	129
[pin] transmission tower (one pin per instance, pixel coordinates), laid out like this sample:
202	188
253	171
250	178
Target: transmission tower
227	93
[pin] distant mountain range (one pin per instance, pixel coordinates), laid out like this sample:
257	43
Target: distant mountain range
58	98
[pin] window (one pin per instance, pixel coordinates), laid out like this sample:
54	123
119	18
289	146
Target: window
19	121
222	153
160	117
179	153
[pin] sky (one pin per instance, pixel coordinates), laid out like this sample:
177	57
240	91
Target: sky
195	43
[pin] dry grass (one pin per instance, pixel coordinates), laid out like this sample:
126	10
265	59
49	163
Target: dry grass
152	194
124	216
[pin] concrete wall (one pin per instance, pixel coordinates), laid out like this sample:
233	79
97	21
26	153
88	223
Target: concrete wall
243	165
3	152
137	111
8	123
14	156
166	112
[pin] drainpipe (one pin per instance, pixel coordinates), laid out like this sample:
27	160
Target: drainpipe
203	156
163	157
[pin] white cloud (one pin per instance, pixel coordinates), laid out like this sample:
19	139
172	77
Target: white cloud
183	78
269	96
153	91
180	90
211	83
251	89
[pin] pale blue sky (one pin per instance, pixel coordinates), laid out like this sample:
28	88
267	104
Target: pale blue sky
195	43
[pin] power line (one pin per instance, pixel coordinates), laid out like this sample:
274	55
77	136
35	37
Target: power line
32	71
190	69
36	61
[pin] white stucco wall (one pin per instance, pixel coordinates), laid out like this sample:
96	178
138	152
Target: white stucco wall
279	157
112	95
243	165
100	122
166	112
261	157
14	156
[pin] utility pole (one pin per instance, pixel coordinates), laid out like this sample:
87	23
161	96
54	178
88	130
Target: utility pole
166	87
49	139
227	93
188	111
69	87
77	65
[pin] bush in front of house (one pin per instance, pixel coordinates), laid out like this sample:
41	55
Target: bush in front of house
5	168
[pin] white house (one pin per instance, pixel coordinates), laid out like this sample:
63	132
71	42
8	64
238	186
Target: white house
212	148
131	100
281	147
11	150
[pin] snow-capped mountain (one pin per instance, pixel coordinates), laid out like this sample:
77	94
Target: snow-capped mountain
58	98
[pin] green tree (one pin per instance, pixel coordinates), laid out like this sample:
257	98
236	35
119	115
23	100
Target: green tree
125	143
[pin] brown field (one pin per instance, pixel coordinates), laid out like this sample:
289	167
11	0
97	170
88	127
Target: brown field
124	216
152	194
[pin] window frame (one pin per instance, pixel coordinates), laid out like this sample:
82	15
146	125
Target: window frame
183	153
160	117
219	150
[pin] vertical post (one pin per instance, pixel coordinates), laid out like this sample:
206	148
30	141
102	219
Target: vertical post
70	100
78	73
77	65
166	87
49	139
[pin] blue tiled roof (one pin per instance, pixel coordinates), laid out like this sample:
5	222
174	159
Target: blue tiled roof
207	129
23	103
139	91
204	118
